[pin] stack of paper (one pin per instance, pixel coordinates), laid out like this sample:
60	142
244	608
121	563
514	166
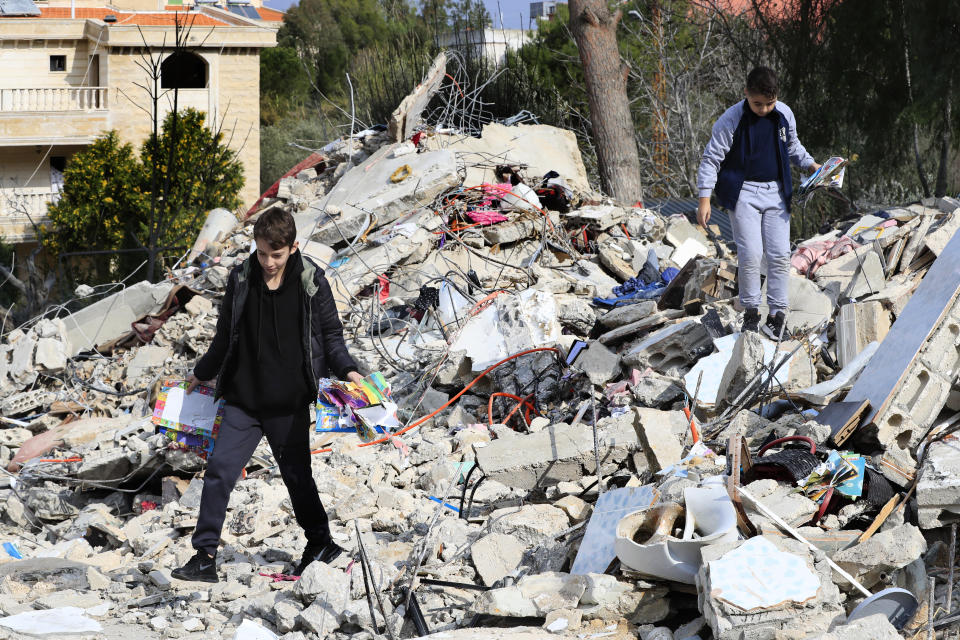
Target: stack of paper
192	420
365	407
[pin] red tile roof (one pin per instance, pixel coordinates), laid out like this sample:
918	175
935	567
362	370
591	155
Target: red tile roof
272	15
142	19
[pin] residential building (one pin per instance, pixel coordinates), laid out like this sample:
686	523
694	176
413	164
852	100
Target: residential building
489	43
71	72
546	10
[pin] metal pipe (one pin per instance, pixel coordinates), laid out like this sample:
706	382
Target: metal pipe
953	556
455	585
416	616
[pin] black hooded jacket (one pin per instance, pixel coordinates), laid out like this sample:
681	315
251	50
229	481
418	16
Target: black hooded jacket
259	347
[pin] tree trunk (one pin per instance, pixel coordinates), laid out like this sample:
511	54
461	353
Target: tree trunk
595	29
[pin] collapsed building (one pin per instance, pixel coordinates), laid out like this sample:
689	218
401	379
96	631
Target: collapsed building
589	446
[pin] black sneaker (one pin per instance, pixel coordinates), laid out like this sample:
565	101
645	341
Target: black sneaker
751	321
773	327
200	568
325	553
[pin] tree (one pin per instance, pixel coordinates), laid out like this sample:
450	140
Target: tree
102	196
198	172
105	209
327	34
595	29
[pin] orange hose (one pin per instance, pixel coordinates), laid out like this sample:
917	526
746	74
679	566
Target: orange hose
77	459
520	403
693	425
450	401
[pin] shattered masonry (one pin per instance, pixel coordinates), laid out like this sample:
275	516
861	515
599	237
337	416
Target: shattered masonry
549	499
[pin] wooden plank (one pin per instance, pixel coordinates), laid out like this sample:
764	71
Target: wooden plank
916	239
880	519
843	418
926	310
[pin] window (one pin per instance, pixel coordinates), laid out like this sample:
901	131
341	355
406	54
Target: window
58	63
58	162
183	70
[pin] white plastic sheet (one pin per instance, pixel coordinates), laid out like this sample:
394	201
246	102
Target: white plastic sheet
52	622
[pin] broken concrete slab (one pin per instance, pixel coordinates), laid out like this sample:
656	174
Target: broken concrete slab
538	148
598	217
599	363
51	354
938	490
559	453
111	317
524	229
729	622
936	241
809	307
362	270
883	553
747	359
529	524
628	314
617	255
496	555
147	359
368	187
680	230
821	393
655	390
908	380
896	294
671	350
875	627
854	274
662	434
406	116
858	324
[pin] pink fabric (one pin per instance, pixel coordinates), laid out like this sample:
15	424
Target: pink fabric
486	217
809	257
493	192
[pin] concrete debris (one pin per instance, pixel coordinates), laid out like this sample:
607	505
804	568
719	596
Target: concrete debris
554	385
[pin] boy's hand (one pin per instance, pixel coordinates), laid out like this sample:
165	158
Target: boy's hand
814	167
703	212
355	377
193	382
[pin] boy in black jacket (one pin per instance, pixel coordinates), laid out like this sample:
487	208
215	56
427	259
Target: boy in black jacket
278	333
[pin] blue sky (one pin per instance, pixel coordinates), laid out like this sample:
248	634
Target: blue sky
515	13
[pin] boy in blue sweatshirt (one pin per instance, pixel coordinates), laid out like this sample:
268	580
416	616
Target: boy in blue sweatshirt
747	163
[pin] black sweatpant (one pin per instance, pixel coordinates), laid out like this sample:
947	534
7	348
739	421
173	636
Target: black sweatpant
240	433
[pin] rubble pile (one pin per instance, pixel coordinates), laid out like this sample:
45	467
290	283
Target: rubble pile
591	448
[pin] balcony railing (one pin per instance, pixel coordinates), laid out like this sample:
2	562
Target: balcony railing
54	99
26	205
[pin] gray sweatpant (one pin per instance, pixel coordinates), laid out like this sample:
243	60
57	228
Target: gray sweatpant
761	228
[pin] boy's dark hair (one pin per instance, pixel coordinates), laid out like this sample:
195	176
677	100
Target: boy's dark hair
277	227
763	80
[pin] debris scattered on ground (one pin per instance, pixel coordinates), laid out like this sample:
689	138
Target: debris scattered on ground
578	410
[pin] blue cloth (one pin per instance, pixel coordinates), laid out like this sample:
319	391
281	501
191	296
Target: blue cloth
669	274
645	293
761	155
651	268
